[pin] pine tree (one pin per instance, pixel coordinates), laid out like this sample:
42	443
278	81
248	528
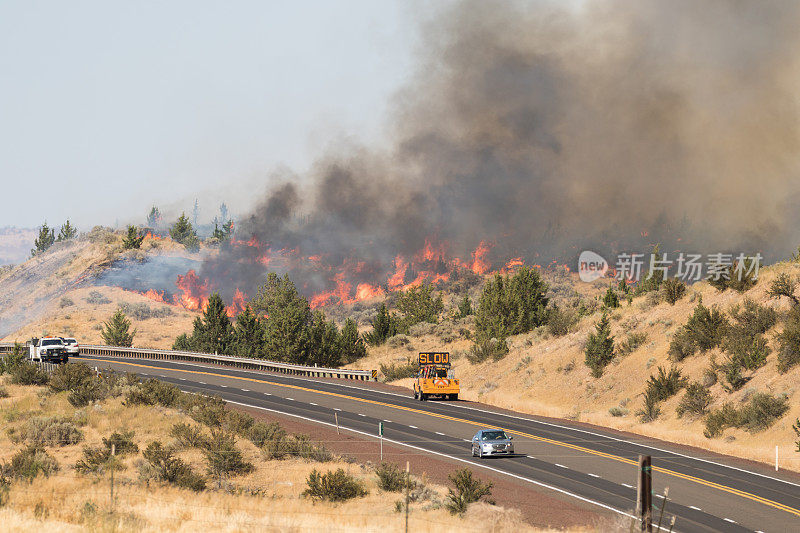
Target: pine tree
46	239
465	307
223	213
351	345
384	325
116	332
154	217
213	332
600	347
132	239
288	319
324	344
67	232
248	335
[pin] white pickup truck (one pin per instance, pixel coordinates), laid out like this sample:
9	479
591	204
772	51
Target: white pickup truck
48	349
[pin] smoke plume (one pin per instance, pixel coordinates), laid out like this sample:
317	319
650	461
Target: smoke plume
543	130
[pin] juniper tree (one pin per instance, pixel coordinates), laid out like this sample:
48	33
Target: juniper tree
610	300
248	335
183	232
117	331
324	347
67	232
132	239
45	240
600	347
419	305
351	345
465	307
154	217
288	318
213	331
384	325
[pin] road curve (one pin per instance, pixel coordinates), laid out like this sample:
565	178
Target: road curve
706	493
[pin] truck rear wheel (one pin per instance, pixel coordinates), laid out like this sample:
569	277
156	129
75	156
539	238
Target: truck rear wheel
452	396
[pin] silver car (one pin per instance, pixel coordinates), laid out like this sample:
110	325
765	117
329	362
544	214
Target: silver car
492	442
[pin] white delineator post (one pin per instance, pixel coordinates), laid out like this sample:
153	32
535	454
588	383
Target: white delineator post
776	458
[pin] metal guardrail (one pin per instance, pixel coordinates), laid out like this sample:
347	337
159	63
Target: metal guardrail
227	360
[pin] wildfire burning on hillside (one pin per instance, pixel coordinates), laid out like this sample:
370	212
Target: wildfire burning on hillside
532	131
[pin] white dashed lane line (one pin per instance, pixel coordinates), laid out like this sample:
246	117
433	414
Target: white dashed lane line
594	475
560	466
729	520
695	508
442	434
202	382
336	409
626	485
245	390
224	386
415	427
291	399
312	403
359	414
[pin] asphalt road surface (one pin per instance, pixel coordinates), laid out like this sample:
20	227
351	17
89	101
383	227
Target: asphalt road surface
705	493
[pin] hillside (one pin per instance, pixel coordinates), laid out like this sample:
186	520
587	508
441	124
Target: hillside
63	292
547	375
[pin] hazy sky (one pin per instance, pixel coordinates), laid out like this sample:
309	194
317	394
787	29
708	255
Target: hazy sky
107	107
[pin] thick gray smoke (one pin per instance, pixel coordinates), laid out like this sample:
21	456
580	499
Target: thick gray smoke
544	130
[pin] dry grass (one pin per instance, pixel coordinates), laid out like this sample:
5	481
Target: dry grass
547	376
268	498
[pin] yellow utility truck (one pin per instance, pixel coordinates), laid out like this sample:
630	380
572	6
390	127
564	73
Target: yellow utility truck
435	378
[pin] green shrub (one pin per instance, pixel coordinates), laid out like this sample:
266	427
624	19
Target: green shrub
718	420
51	431
390	477
494	349
122	442
650	409
68	377
394	371
632	342
238	423
695	400
10	361
28	374
748	352
757	415
672	290
29	462
467	490
600	347
142	311
561	321
762	411
188	435
88	391
172	469
207	410
332	486
97	298
260	434
789	342
99	459
3	392
753	318
706	327
783	285
222	455
617	411
666	384
732	372
154	392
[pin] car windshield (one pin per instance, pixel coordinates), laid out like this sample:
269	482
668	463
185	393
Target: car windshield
51	342
70	341
494	435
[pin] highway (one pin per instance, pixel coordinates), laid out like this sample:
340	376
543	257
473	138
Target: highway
594	466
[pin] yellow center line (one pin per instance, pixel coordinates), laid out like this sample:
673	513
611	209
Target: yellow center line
625	460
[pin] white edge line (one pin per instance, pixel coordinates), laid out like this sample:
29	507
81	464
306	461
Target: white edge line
466	407
533	481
